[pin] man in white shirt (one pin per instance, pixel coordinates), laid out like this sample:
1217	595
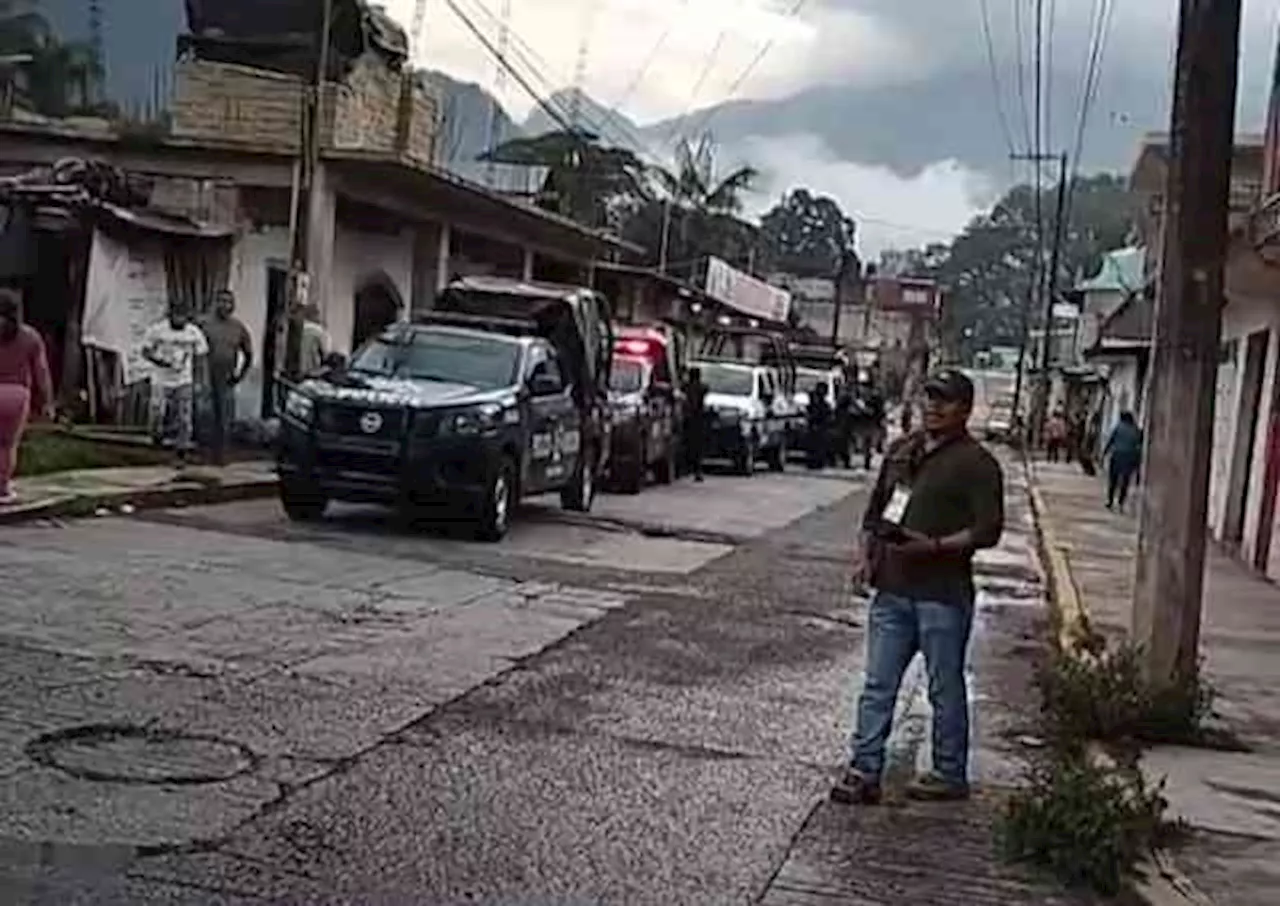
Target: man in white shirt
174	347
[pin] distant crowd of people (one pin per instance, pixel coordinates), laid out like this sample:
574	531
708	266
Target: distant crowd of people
1077	439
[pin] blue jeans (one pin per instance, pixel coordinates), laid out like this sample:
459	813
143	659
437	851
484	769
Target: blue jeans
899	627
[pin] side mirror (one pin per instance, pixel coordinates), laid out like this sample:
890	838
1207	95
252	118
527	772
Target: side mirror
543	384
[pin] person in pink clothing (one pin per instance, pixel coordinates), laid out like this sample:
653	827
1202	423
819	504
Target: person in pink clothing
25	384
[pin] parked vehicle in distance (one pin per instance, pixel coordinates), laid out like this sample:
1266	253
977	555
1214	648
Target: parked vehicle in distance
743	426
646	403
498	394
998	425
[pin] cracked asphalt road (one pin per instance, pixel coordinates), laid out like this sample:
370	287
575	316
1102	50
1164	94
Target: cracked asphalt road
641	709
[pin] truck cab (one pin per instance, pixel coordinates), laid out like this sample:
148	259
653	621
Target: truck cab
743	426
467	410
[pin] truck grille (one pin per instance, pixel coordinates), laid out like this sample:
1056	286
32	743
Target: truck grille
349	421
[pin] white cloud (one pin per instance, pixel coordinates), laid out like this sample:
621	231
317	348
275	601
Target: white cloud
706	44
891	212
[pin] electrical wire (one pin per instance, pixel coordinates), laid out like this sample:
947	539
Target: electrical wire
995	77
1019	44
746	73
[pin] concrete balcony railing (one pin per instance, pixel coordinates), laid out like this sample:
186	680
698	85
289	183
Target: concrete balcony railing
374	109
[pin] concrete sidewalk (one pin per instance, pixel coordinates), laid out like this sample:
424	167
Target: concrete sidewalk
82	492
1233	799
907	852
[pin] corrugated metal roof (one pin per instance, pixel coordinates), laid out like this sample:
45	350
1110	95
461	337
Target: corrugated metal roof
1122	270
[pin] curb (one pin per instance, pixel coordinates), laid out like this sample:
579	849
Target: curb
1069	614
1159	882
191	493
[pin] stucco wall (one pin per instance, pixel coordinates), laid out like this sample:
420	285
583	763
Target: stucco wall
254	252
358	258
1242	317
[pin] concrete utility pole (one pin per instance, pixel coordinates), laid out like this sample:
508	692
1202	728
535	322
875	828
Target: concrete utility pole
305	200
1179	439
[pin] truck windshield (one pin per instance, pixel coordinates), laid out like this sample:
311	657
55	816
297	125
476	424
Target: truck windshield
729	381
476	361
626	376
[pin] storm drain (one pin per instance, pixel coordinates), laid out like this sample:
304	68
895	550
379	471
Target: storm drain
131	754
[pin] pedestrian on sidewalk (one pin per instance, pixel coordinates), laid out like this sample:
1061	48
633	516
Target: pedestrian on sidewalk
1124	447
230	357
1055	435
939	498
174	347
25	385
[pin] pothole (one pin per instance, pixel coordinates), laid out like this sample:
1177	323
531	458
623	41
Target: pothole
122	753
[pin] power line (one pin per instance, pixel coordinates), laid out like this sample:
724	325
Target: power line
1019	43
995	75
746	73
648	62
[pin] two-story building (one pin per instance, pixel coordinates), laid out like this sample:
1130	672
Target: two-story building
388	226
1245	471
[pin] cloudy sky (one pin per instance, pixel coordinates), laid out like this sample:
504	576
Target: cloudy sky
661	58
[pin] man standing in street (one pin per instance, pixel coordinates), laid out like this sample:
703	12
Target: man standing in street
230	357
939	499
695	421
174	347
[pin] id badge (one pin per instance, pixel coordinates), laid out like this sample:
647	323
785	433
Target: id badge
897	506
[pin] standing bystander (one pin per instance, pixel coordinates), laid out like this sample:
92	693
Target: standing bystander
695	421
174	347
25	385
230	357
939	498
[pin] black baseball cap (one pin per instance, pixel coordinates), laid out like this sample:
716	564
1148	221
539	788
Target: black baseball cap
950	384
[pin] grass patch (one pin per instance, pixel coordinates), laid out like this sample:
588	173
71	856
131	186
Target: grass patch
44	452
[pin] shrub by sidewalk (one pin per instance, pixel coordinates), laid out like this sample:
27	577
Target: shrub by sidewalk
1087	814
47	450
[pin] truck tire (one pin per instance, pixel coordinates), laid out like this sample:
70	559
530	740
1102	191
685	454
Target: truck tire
580	493
776	457
499	499
302	503
631	478
665	469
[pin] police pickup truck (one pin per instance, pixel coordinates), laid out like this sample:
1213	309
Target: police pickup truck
647	401
743	421
462	411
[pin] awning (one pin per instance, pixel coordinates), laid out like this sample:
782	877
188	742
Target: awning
153	221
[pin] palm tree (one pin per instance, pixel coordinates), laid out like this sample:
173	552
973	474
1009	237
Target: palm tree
695	185
60	78
699	215
584	180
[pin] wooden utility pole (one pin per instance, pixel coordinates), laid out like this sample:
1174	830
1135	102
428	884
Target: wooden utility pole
1179	437
1047	284
305	200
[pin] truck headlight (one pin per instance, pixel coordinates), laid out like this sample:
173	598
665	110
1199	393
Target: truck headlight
474	421
299	407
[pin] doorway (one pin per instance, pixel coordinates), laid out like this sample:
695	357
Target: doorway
377	304
1255	361
273	329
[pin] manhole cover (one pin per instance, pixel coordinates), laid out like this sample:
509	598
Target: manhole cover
128	754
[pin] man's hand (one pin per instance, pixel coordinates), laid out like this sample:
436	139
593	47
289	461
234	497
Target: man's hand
916	544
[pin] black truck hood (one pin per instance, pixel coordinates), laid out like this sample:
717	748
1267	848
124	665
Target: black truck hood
415	394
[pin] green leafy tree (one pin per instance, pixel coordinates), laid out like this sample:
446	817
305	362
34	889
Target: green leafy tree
989	270
806	234
58	78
